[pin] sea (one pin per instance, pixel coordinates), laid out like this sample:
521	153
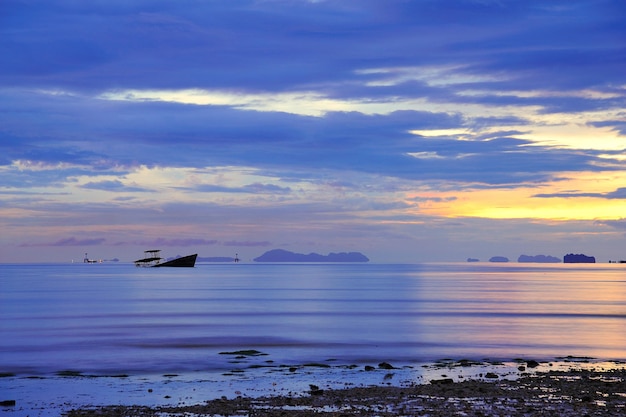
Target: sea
116	320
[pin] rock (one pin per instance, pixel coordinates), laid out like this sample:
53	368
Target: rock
7	403
385	365
244	353
443	381
315	390
467	363
532	364
555	393
69	373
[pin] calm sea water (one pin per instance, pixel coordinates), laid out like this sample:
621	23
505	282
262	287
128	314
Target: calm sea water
115	318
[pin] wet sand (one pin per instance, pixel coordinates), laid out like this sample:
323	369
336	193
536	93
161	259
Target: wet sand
567	386
577	391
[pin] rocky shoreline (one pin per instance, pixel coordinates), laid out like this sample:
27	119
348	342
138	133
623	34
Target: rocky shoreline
566	386
573	392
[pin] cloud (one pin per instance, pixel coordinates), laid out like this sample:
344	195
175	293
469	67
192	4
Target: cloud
112	185
174	242
71	241
247	243
619	224
618	125
208	135
255	188
139	120
425	199
618	194
324	43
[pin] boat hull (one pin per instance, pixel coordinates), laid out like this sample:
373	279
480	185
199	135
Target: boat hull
184	262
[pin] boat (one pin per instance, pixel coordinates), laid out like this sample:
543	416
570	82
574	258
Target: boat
152	259
86	260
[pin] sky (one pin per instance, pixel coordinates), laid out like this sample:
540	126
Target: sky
409	131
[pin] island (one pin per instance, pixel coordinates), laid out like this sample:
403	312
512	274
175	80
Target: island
538	259
499	259
579	258
281	255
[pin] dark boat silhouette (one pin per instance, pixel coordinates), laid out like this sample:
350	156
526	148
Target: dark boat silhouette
153	260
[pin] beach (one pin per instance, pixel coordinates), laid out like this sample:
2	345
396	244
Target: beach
568	386
555	393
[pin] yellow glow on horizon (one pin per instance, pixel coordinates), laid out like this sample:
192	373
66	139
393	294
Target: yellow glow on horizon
582	197
555	209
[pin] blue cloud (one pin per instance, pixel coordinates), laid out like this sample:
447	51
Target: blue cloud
71	241
246	243
619	224
380	71
113	185
165	133
255	188
173	242
274	46
617	125
618	194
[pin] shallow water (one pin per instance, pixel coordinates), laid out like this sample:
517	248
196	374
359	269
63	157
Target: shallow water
108	319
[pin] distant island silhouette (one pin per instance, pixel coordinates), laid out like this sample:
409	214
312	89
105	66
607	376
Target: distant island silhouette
499	259
281	255
538	259
571	258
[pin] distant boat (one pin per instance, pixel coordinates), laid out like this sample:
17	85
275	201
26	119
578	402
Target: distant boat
153	259
86	260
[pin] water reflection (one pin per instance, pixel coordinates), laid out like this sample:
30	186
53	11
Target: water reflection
114	317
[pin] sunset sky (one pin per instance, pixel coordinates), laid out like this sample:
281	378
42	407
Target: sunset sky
410	131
